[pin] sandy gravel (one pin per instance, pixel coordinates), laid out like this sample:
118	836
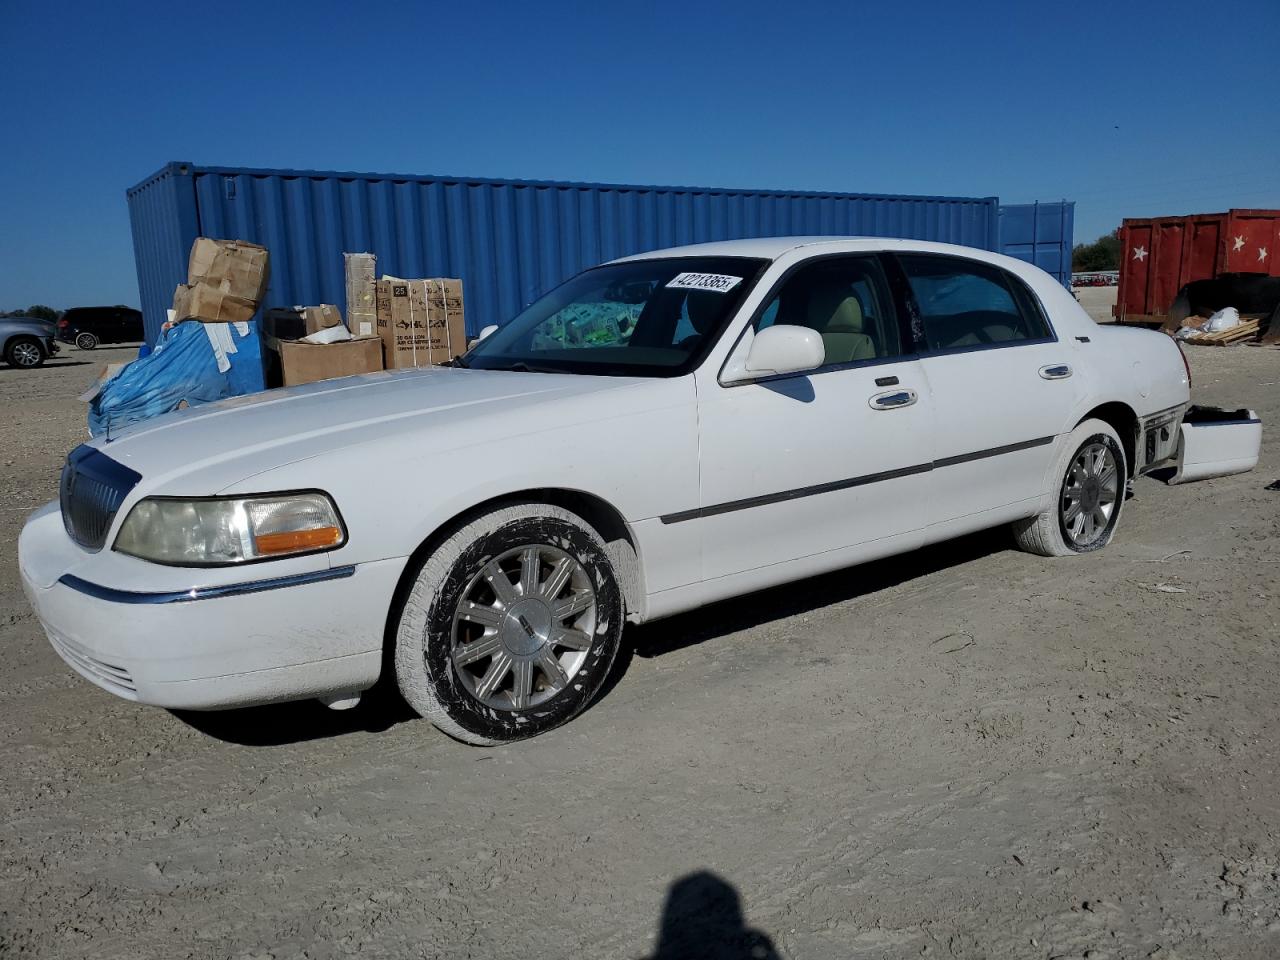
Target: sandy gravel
968	752
1097	302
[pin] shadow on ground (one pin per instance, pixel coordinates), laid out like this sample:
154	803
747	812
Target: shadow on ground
702	918
730	616
281	723
382	708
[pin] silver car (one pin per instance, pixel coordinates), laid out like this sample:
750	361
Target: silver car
26	342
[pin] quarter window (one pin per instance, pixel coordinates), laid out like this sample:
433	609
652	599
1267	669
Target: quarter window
964	303
847	301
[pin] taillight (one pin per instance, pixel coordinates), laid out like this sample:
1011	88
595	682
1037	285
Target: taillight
64	323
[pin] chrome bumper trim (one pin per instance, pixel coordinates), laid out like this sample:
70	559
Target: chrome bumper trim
112	595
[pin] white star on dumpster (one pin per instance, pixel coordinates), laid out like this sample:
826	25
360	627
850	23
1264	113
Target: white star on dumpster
1262	253
1239	243
1139	253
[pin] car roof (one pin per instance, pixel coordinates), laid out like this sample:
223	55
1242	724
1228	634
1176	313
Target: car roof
772	248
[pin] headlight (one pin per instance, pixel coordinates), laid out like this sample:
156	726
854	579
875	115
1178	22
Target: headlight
218	531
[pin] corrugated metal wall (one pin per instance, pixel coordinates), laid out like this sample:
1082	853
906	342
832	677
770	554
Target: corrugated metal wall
510	241
1040	233
162	216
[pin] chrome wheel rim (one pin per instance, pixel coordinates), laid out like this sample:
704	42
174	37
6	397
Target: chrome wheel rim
26	354
1090	494
523	627
86	341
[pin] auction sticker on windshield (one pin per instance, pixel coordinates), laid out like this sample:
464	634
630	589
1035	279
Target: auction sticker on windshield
714	282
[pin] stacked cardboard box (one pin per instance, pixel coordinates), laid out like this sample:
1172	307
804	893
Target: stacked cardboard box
226	280
362	313
303	362
420	321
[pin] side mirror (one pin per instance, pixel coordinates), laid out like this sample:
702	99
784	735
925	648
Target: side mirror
491	328
779	349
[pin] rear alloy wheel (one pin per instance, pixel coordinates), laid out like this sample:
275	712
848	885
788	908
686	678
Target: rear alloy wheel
25	353
86	341
1090	495
511	625
1090	477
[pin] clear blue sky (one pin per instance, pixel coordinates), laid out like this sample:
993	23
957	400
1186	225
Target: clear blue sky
1131	109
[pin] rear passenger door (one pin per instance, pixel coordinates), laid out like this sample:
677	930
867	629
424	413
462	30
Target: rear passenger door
1003	385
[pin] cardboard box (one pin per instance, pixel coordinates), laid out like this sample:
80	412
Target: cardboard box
211	305
308	362
362	312
233	267
420	321
319	318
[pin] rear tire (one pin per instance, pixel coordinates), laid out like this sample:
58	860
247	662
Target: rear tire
25	353
1090	479
511	626
86	341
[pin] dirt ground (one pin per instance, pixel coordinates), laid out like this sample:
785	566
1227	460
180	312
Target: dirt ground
1097	301
968	752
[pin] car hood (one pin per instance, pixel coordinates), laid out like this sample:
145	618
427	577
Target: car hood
41	328
223	442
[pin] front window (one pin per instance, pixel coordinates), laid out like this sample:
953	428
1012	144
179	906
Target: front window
654	318
847	301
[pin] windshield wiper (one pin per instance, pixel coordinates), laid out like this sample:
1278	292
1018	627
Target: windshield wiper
521	367
458	361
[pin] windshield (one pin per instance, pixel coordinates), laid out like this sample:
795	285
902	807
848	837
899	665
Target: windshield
648	318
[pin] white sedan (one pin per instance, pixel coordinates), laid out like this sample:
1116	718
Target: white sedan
657	433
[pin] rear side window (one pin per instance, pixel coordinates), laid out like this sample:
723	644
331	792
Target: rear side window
964	303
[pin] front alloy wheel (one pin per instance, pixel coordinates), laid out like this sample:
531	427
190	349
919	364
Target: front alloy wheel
523	627
26	354
511	625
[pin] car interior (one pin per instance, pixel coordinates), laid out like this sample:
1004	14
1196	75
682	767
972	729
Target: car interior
843	304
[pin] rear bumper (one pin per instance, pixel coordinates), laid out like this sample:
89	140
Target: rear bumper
1213	442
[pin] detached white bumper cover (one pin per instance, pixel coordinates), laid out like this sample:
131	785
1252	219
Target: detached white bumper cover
259	640
1216	443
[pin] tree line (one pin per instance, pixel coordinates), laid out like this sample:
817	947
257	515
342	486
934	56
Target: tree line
1102	254
39	311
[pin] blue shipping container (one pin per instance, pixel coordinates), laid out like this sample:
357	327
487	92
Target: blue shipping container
1040	233
509	240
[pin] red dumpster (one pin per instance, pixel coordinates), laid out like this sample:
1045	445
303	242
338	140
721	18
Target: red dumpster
1158	256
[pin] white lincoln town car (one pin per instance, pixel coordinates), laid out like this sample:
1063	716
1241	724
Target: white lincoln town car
657	433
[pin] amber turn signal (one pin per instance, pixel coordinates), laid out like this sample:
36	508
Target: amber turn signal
294	541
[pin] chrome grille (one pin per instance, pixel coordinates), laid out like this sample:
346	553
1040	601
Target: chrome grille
91	490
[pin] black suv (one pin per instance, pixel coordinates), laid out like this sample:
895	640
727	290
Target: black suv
87	327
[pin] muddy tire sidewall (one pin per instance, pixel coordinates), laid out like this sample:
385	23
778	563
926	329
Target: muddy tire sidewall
424	667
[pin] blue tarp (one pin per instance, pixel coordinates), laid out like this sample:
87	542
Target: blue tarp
193	361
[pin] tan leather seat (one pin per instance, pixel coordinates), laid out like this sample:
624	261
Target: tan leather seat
837	315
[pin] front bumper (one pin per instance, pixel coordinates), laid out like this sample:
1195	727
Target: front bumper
260	639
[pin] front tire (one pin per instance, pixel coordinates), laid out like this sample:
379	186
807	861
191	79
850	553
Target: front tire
86	341
25	353
1089	487
511	625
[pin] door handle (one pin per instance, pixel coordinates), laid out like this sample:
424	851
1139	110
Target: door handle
893	399
1055	371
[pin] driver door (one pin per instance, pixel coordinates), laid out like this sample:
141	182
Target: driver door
810	465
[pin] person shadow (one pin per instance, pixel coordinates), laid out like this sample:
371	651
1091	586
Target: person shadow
702	920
